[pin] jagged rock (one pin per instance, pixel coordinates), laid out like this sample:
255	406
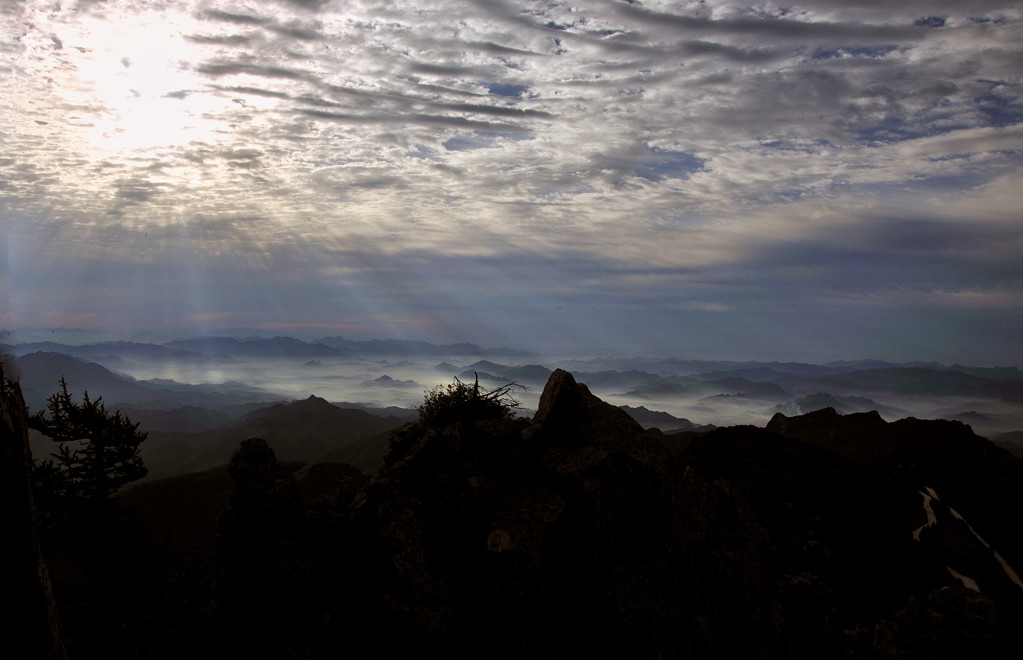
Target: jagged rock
580	533
31	620
972	475
577	430
568	414
968	485
826	426
577	533
867	437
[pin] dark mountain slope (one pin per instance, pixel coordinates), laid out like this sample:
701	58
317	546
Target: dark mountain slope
312	430
907	444
304	430
980	481
841	532
183	510
1011	442
578	533
109	350
187	419
570	535
40	374
662	420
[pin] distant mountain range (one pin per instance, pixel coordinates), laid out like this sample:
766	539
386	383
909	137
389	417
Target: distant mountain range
843	404
650	419
255	347
40	373
988	398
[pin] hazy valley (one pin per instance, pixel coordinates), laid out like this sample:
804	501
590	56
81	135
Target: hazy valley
195	393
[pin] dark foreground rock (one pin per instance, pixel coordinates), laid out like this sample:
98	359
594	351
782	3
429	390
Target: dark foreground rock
31	620
578	533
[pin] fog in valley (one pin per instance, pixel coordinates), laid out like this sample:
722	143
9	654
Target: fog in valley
227	373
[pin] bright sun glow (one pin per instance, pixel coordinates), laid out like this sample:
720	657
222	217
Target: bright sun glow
139	79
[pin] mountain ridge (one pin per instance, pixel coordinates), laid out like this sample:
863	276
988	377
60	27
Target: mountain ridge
579	531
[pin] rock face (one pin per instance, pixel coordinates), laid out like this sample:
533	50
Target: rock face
576	534
31	621
268	593
977	479
579	533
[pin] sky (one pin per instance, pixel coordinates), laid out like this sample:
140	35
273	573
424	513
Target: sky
727	180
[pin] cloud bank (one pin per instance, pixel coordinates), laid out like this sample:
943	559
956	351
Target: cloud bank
711	176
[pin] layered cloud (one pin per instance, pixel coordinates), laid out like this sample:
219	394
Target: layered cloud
673	160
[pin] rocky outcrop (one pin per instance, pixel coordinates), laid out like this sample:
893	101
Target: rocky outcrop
866	437
579	533
31	620
574	534
978	481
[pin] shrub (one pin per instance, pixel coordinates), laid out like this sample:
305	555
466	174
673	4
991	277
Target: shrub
455	402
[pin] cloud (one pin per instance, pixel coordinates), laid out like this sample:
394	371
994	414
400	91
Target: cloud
711	155
966	141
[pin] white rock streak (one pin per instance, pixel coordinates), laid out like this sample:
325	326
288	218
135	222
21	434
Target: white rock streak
931	518
929	496
968	582
1012	575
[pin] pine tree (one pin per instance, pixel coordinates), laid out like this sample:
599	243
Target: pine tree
97	451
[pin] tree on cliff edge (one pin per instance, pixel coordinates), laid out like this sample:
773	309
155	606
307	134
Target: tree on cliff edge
97	451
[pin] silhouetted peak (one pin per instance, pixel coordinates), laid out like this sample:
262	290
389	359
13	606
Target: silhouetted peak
569	413
561	388
908	443
827	424
658	419
281	411
311	401
781	423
